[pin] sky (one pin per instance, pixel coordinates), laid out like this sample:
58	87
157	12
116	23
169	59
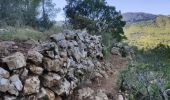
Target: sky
149	6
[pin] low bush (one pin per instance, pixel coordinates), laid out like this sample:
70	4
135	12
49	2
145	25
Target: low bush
148	77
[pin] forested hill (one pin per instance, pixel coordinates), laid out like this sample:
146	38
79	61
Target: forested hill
149	33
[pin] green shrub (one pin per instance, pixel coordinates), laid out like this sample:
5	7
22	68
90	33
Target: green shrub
144	82
149	75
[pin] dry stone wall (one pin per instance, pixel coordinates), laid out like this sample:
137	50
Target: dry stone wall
52	69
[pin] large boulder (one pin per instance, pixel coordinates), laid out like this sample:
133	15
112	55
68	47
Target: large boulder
15	61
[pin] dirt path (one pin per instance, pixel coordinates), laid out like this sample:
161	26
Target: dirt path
110	84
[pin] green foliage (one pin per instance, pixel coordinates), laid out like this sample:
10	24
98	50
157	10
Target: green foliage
14	33
25	33
149	33
96	16
159	54
145	82
26	12
148	76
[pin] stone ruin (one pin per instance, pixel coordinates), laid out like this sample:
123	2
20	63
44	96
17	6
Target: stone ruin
53	69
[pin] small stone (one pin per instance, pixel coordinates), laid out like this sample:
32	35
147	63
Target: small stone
50	54
35	56
101	96
58	98
115	51
15	61
63	44
13	90
7	97
52	65
32	85
120	97
51	79
4	73
36	70
46	94
57	37
46	47
76	54
85	93
63	88
16	81
24	74
4	84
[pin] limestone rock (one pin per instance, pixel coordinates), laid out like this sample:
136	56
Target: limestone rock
115	51
4	73
30	97
58	98
32	85
24	74
15	61
7	97
12	90
50	54
16	82
51	79
57	37
76	54
62	44
85	93
36	70
52	65
4	84
64	87
120	97
100	95
46	94
35	56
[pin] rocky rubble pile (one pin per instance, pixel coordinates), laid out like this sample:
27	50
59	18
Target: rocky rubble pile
51	70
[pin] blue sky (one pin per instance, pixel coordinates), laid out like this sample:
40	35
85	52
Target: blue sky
148	6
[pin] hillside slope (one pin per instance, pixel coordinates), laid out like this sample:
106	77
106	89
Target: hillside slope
149	33
131	17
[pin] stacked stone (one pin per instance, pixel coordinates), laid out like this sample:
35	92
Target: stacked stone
52	69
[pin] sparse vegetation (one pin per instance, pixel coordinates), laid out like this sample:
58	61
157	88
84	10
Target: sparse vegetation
149	33
147	78
25	33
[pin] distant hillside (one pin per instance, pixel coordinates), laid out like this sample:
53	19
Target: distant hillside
149	33
137	17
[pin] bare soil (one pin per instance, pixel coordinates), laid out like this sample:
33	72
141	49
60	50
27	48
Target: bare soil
110	84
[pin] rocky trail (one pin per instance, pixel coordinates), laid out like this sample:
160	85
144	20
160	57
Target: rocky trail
68	67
